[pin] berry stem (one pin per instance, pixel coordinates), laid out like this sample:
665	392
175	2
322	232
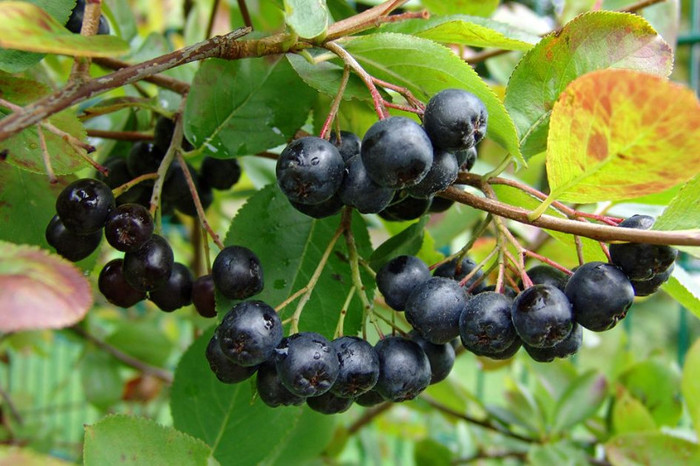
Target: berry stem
579	250
306	291
120	135
212	17
119	190
478	266
547	261
335	105
500	284
343	312
410	98
91	22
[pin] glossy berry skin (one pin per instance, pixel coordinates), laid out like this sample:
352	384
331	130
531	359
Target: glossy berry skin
237	272
249	333
369	399
485	325
348	146
226	370
404	207
310	170
440	357
84	205
118	173
542	316
329	403
434	307
128	227
203	293
114	286
176	292
569	346
359	191
359	367
647	287
442	173
75	22
449	270
508	352
307	364
399	277
220	174
404	369
271	390
323	209
163	135
69	245
455	119
641	261
466	158
143	158
149	266
546	275
185	204
396	152
600	295
509	292
440	204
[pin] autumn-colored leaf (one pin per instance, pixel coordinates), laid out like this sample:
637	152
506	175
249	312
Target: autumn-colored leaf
39	290
621	134
29	28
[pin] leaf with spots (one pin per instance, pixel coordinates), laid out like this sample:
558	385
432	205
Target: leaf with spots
29	28
39	290
651	448
128	440
621	134
23	150
242	430
593	41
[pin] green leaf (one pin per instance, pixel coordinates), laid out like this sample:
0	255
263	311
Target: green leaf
325	77
690	385
290	245
241	430
657	386
407	242
651	448
664	17
630	415
683	212
471	7
308	18
31	29
130	337
684	288
127	440
467	30
425	68
242	107
581	400
39	290
608	124
592	41
24	149
428	452
26	456
556	453
100	379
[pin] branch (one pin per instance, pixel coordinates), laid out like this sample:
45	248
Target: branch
166	82
120	135
368	416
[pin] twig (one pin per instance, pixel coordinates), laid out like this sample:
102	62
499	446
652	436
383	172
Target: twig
343	312
119	190
157	372
120	135
91	22
212	18
336	104
245	13
160	80
369	416
365	20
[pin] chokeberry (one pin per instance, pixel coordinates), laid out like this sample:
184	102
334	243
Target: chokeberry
163	135
128	227
369	399
399	277
271	390
237	272
329	403
396	152
404	369
220	174
358	367
600	295
176	292
310	170
441	357
485	325
542	316
84	205
75	22
226	370
143	158
307	364
650	286
348	145
546	275
114	286
249	333
149	266
203	296
71	246
323	209
455	119
440	204
359	191
466	158
451	270
441	175
186	205
434	307
565	348
508	352
641	261
405	207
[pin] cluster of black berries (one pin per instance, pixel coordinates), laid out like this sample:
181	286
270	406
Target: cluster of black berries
545	318
146	157
75	22
395	170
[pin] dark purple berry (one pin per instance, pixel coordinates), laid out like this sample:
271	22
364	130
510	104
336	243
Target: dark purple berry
220	174
565	348
434	307
359	191
144	158
271	390
442	173
641	261
404	207
128	227
249	333
68	244
237	272
440	204
399	277
307	364
440	357
466	158
542	316
348	146
485	325
546	275
358	367
323	209
328	403
226	370
455	119
369	399
115	288
149	266
75	22
652	285
404	369
84	205
176	292
451	270
203	296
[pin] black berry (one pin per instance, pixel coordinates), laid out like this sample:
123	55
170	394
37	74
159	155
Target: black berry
176	292
329	403
434	307
451	270
546	275
565	348
359	191
358	367
149	266
237	272
68	244
220	174
249	333
371	398
485	325
405	207
399	277
441	357
271	390
650	286
455	119
348	146
143	158
115	288
203	296
226	370
641	261
441	175
307	364
323	209
404	369
84	205
466	158
542	316
128	227
75	22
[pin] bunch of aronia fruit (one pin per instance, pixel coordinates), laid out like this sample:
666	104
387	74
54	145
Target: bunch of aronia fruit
395	170
87	206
